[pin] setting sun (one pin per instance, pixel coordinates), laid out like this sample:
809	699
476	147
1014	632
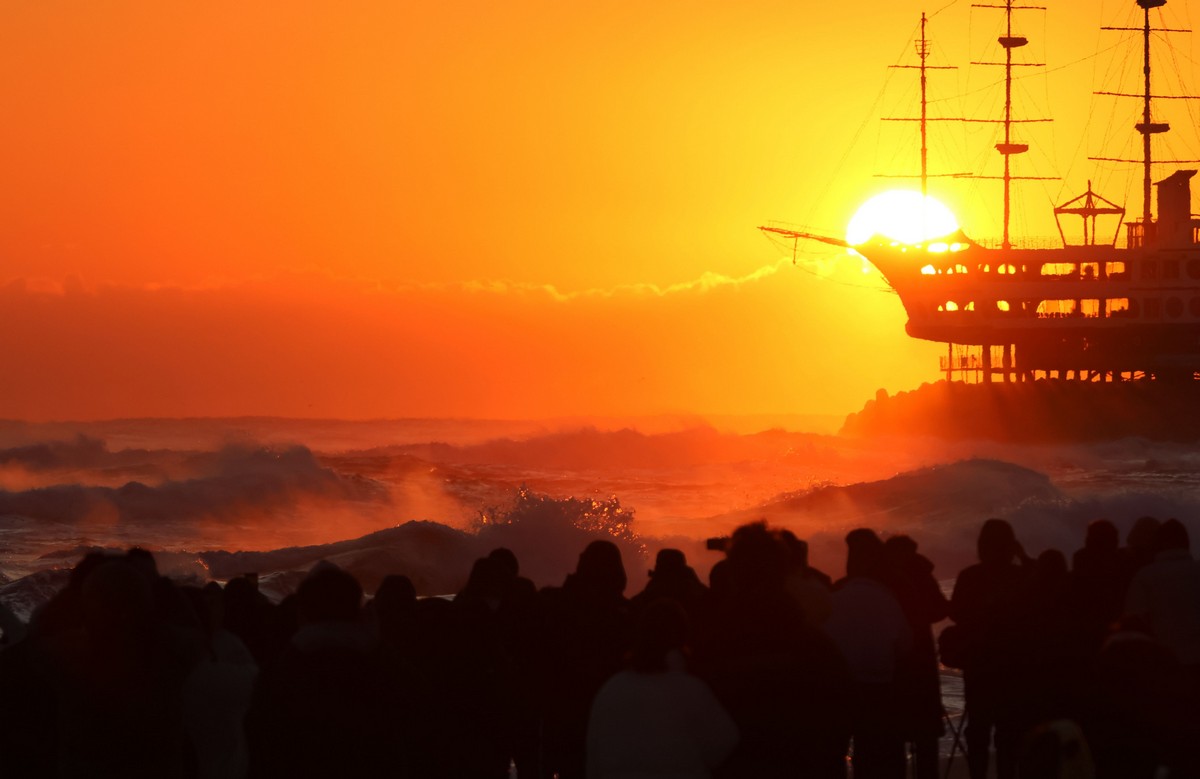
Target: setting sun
901	215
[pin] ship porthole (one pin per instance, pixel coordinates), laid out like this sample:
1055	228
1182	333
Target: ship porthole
1174	308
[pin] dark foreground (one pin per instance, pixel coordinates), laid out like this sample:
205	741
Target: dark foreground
771	670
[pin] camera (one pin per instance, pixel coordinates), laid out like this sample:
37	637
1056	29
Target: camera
719	544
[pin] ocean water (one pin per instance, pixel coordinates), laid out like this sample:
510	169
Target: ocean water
214	498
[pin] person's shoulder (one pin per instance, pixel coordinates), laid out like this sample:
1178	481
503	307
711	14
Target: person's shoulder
819	576
689	687
972	570
626	689
860	587
991	576
1167	564
620	679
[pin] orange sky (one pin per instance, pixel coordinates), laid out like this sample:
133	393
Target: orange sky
461	208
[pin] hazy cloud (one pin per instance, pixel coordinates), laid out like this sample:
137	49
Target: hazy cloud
307	344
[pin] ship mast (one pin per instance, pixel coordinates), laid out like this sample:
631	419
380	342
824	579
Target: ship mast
923	47
1008	147
1147	127
923	54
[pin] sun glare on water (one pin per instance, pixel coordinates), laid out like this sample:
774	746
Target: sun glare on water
900	215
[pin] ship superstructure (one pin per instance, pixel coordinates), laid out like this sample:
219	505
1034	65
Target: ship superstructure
1087	310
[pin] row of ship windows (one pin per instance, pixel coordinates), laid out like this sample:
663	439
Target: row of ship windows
1147	308
1148	269
1168	269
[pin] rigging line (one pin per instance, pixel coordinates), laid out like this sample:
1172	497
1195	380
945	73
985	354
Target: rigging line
1044	72
1118	67
1080	145
1083	138
1174	55
1046	96
1187	57
841	164
943	8
830	280
801	262
1188	23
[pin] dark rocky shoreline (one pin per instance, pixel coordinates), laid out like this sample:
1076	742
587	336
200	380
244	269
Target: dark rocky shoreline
1043	411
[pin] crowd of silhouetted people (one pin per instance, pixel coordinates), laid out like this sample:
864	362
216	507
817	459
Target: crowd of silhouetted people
771	669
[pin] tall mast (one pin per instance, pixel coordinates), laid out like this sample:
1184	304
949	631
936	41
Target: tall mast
1147	127
923	54
1008	147
924	46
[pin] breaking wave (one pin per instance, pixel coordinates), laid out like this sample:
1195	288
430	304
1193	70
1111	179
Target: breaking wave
429	509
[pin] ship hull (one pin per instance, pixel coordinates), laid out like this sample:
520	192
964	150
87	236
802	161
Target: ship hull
1088	307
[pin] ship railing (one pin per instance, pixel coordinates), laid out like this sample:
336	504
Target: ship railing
970	362
1032	242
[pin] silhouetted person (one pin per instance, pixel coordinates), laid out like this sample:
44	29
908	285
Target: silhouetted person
63	612
486	585
247	614
218	692
1166	595
95	687
436	660
655	719
1138	713
1140	542
119	680
798	557
394	609
986	606
673	578
519	626
873	635
809	586
918	678
782	680
1100	574
1056	750
587	632
720	583
1051	649
474	688
28	710
322	709
144	560
518	586
125	673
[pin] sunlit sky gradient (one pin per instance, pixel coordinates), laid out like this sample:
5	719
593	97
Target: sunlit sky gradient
519	209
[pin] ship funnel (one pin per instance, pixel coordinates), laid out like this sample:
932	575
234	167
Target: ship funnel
1175	209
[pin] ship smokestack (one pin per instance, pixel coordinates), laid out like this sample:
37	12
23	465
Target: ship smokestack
1175	209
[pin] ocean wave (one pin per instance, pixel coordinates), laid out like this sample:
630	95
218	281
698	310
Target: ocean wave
420	509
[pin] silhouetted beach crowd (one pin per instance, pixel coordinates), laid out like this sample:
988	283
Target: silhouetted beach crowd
770	670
